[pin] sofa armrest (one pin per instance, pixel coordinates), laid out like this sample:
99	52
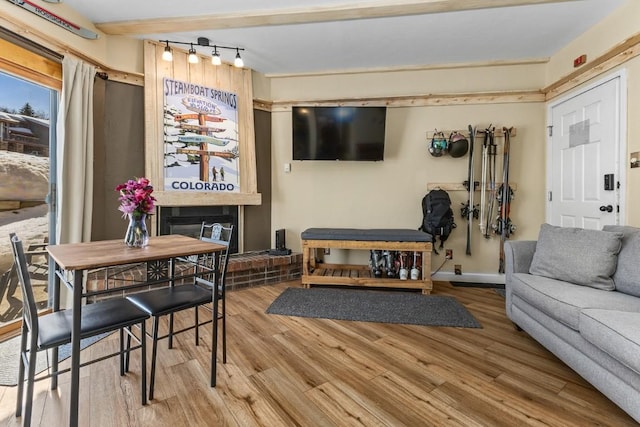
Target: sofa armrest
518	256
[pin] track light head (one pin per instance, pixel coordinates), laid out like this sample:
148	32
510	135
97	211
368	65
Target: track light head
238	62
167	55
193	57
215	56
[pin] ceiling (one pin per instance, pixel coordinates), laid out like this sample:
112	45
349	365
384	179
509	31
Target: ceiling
281	37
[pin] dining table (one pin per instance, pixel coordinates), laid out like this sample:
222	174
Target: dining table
72	260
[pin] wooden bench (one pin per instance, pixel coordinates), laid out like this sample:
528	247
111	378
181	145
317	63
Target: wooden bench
363	239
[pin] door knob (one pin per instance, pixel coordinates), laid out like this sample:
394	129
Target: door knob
607	208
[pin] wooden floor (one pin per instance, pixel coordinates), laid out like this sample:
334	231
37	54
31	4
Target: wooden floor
289	371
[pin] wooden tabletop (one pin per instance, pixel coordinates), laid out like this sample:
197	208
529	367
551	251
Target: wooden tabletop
106	253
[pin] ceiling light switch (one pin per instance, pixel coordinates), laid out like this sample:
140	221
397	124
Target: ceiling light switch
287	167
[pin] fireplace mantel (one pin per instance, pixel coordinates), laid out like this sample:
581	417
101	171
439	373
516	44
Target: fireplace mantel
183	198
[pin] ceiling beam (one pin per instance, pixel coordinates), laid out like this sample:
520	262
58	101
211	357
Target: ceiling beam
378	9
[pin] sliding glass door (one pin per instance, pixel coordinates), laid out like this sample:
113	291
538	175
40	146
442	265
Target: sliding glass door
27	161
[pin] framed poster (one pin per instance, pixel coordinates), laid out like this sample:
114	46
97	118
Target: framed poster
200	138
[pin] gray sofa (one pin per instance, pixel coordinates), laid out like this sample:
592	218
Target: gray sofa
577	292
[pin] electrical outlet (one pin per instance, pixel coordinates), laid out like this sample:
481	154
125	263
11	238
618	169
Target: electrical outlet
449	254
457	269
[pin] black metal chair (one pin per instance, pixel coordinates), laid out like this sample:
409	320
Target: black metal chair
210	272
54	329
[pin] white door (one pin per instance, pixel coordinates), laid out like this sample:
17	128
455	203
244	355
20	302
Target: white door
585	147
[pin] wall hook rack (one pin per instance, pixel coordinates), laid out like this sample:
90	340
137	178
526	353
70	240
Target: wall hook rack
479	132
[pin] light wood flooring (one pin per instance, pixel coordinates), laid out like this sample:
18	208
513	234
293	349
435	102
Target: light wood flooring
289	371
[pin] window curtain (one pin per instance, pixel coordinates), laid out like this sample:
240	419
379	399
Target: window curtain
75	152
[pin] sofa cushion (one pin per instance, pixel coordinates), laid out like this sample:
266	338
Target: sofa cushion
627	275
614	332
577	255
564	301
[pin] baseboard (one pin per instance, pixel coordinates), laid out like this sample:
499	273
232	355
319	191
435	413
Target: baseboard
446	276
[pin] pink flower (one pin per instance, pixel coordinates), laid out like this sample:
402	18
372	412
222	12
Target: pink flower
135	197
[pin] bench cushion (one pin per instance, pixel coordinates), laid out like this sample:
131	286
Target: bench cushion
366	235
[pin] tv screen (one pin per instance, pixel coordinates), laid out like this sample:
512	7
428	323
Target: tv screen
338	133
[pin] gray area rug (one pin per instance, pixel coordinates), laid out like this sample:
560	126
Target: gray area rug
373	306
10	357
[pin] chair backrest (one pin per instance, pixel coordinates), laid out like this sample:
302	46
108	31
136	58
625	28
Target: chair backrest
29	309
217	233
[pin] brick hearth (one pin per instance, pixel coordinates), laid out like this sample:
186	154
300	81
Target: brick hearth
260	268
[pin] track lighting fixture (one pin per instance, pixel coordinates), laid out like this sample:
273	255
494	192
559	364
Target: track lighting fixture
167	55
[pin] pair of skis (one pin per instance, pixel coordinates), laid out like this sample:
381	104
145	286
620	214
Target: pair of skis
503	225
470	210
488	182
488	193
55	19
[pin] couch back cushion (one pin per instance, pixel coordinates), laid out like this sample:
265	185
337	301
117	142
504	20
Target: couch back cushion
627	275
577	255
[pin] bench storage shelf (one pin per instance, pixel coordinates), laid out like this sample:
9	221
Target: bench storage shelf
363	239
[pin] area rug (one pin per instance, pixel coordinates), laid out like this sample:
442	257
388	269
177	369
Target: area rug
373	306
10	351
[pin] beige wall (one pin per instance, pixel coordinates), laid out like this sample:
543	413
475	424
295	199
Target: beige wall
388	194
417	82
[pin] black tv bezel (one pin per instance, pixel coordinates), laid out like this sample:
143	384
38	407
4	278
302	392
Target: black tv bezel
337	158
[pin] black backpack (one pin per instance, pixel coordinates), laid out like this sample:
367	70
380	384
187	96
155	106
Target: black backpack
437	217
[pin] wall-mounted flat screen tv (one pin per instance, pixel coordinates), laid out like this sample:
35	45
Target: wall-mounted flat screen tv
338	133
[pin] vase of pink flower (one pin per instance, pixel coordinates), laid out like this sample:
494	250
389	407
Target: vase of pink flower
136	202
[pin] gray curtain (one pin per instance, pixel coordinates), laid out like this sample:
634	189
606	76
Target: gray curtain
75	152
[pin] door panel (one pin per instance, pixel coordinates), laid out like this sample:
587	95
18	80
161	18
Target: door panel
584	147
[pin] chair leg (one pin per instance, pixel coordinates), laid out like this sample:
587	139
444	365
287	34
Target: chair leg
55	367
127	354
123	362
23	349
224	329
170	330
31	373
197	324
143	360
214	337
154	350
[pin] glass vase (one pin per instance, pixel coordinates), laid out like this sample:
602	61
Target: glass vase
137	235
